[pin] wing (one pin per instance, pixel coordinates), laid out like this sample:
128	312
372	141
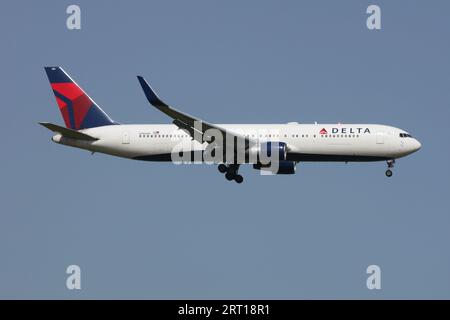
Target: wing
66	132
196	127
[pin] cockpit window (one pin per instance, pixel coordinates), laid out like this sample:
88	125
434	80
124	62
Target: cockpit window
405	135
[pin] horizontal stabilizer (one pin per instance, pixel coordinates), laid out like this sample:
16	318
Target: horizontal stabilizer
66	132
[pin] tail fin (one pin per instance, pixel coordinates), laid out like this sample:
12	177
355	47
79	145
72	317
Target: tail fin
78	110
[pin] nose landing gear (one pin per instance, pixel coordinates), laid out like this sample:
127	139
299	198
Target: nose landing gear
390	164
231	172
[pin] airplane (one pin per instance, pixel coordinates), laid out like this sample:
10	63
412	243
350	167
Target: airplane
88	127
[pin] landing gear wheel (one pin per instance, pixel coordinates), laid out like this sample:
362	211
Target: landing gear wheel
222	168
231	172
239	178
229	176
388	173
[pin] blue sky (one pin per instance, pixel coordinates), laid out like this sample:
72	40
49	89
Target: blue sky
151	230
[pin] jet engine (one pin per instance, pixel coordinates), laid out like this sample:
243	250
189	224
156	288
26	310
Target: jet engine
268	151
282	167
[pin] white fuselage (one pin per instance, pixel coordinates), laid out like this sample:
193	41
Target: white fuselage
305	142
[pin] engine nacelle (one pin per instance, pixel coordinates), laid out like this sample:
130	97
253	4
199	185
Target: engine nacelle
268	151
284	167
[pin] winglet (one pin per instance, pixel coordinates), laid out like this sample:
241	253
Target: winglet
151	96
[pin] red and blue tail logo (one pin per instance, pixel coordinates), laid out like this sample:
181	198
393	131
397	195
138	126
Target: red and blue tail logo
78	110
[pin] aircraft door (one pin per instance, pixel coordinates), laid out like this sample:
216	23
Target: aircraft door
125	137
380	137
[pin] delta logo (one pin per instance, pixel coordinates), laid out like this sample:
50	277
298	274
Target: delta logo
345	130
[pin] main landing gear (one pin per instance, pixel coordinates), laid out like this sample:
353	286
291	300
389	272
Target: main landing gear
390	164
231	172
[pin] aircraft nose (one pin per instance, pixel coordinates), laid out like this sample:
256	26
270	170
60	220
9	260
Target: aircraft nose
416	145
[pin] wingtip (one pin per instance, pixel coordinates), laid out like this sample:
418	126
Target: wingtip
144	84
46	125
151	95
